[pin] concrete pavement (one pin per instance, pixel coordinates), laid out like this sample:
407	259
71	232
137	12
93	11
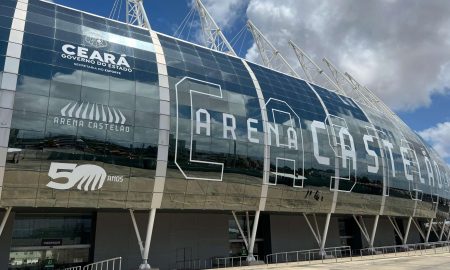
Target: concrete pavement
420	262
435	262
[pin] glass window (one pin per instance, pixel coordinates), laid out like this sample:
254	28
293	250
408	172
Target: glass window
4	32
30	103
120	100
37	55
31	230
3	47
38	42
27	120
6	11
31	85
122	86
69	36
65	90
74	19
35	69
66	75
147	90
40	19
146	135
95	80
94	95
40	30
69	24
147	105
146	119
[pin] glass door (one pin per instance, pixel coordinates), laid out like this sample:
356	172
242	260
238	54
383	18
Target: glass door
51	241
34	258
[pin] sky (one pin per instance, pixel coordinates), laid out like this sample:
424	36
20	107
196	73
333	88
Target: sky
400	49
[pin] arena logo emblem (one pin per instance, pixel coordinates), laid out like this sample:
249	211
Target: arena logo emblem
87	177
282	119
92	116
90	57
95	40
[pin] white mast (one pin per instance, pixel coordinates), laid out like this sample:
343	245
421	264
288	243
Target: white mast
136	14
363	90
360	93
214	37
270	56
312	71
374	98
350	87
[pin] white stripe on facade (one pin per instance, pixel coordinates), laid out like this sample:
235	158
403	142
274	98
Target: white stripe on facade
265	119
9	80
336	158
164	124
265	186
383	161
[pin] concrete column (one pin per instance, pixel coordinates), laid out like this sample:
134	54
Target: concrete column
151	221
251	257
325	233
429	230
408	226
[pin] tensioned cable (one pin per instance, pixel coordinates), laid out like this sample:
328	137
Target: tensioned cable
120	8
242	36
237	36
190	27
183	23
242	43
114	8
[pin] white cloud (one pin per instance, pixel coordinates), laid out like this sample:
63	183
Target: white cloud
226	12
439	137
399	49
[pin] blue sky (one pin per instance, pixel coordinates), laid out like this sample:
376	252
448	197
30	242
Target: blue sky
425	109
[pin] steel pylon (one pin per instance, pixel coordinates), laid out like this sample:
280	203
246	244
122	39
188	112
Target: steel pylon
312	71
270	56
214	38
136	14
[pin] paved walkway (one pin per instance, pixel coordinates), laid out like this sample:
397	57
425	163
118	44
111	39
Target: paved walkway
434	262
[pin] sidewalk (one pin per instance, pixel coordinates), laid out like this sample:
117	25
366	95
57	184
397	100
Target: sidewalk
432	261
435	262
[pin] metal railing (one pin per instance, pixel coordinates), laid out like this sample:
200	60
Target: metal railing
406	250
332	253
231	261
73	268
327	255
110	264
221	262
195	264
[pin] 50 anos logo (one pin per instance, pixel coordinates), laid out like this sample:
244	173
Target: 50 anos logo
85	177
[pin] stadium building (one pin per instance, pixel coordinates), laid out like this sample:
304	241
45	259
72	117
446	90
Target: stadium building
116	140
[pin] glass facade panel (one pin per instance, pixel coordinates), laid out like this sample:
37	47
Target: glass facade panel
207	95
75	106
39	242
88	97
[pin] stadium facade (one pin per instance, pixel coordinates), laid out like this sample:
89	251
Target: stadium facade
106	127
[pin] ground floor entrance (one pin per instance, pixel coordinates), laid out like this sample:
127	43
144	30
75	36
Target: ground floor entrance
180	240
37	258
51	241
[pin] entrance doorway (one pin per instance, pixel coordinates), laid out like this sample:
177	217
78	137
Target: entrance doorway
47	258
236	242
52	241
349	233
